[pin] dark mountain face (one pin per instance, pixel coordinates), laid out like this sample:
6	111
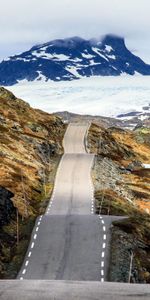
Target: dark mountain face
70	59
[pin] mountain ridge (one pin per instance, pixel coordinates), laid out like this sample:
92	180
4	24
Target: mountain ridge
72	58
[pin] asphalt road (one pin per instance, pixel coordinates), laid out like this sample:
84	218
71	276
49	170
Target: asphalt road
68	241
70	290
75	138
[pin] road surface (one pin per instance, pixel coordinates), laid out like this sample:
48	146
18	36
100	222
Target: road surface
70	290
70	242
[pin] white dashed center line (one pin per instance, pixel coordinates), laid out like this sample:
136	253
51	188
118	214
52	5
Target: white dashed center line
24	271
32	245
27	262
29	254
102	264
104	245
104	228
103	248
103	254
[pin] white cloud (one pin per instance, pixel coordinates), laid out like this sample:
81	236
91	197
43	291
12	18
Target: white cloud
25	23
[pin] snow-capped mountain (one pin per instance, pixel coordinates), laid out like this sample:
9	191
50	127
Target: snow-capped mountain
72	58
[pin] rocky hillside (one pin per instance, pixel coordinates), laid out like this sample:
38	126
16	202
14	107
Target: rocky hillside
30	148
72	58
122	188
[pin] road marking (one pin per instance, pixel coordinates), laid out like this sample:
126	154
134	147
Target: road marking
102	264
27	262
37	229
29	254
24	271
103	249
21	278
103	254
35	236
39	223
32	245
104	245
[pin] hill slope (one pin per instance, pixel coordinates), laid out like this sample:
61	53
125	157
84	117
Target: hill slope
30	147
122	187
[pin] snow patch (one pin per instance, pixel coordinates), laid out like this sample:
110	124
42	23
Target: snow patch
111	56
42	54
73	71
142	117
88	56
61	57
76	59
146	166
93	63
105	96
108	48
96	50
41	77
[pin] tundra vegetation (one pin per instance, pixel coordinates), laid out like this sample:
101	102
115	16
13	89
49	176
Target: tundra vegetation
122	188
30	150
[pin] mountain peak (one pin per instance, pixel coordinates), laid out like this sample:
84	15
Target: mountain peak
72	58
113	40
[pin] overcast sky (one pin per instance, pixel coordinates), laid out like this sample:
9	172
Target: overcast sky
24	23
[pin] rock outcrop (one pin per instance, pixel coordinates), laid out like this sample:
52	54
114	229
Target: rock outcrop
6	206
